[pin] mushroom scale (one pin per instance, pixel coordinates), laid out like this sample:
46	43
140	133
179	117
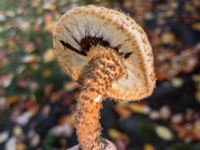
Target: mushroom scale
110	55
84	27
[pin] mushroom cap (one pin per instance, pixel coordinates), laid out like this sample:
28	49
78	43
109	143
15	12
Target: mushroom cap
83	27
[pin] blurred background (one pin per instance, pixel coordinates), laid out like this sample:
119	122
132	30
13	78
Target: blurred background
37	100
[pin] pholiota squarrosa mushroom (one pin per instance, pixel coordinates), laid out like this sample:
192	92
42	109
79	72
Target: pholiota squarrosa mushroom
109	54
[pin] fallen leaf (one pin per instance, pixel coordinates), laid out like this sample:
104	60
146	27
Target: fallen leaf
177	82
116	135
17	131
154	115
11	143
168	38
196	128
29	59
122	111
139	108
196	26
165	112
70	86
46	73
49	56
149	147
11	100
177	119
20	146
197	95
29	47
6	80
3	136
164	133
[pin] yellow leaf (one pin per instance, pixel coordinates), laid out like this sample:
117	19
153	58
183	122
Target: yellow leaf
49	55
139	108
168	38
17	131
11	100
197	128
29	47
72	119
164	133
149	147
46	73
20	146
196	26
197	95
154	115
11	43
196	78
177	82
49	24
70	86
49	6
122	111
116	135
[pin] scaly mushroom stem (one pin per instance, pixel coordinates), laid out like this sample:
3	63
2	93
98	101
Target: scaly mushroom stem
104	68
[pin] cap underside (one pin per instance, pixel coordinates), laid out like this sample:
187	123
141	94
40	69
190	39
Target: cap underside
83	27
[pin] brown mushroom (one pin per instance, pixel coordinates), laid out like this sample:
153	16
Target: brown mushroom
110	55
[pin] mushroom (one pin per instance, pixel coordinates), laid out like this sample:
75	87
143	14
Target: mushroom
109	54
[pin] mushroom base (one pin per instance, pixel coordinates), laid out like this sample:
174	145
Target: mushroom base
104	68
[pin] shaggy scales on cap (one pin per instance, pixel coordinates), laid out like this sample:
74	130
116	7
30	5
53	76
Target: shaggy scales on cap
84	27
110	55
